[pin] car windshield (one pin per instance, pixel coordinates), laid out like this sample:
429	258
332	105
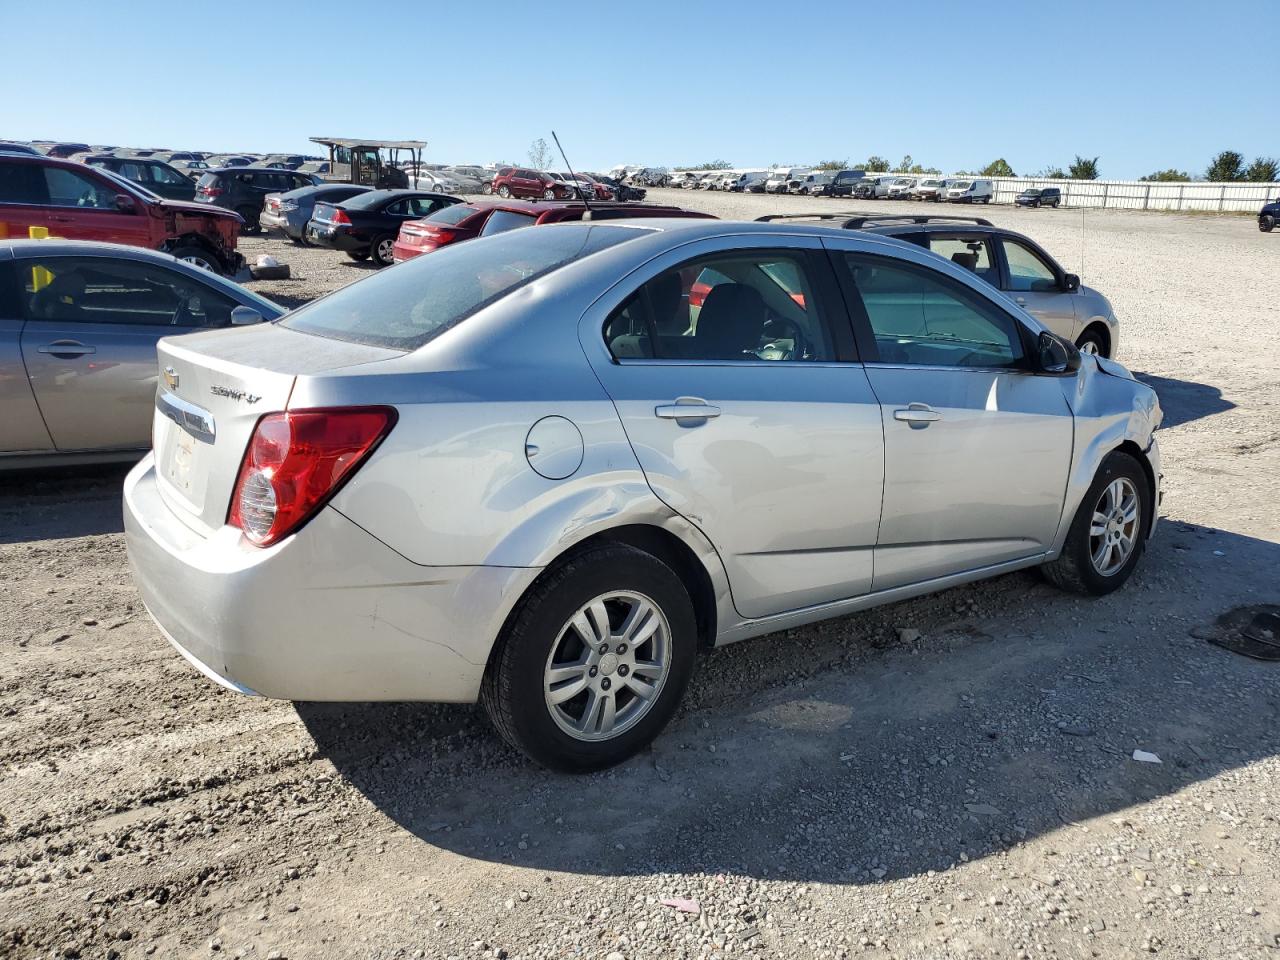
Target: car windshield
1031	193
132	185
960	185
412	304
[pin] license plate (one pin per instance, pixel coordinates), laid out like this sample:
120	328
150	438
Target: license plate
184	451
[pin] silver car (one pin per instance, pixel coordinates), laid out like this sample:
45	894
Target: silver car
543	469
79	323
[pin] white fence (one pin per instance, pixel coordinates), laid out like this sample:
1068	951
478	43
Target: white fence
1146	195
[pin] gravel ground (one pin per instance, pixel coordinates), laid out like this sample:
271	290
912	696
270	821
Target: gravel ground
949	777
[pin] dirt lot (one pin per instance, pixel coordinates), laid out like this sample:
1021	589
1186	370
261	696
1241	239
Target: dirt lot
950	777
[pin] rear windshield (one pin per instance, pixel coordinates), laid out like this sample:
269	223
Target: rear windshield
455	213
411	304
370	200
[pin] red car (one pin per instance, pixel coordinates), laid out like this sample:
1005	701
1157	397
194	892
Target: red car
78	202
482	218
530	184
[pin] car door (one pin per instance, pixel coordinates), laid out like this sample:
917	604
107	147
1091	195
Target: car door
731	365
21	428
977	447
24	199
1037	284
971	249
84	206
89	342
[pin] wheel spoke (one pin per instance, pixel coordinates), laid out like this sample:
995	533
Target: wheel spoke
599	619
641	624
647	668
608	713
1099	525
1129	508
566	692
641	688
560	672
1100	555
586	721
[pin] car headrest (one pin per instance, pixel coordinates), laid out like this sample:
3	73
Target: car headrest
730	321
966	259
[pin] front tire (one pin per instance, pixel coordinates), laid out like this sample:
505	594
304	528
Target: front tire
1091	341
504	192
197	256
594	660
1109	531
1266	223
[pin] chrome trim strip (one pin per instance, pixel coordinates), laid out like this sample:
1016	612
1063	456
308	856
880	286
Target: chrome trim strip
195	420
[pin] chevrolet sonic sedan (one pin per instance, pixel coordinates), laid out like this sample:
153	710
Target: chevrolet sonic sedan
544	468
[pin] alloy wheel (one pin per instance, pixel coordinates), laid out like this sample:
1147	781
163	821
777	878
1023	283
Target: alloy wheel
1090	347
607	666
1114	527
198	261
386	249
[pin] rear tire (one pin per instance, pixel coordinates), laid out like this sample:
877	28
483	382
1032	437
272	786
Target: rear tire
1266	223
503	191
381	249
525	699
1111	524
1055	204
251	224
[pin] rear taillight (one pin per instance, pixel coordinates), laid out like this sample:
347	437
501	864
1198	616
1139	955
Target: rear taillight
210	191
296	461
340	216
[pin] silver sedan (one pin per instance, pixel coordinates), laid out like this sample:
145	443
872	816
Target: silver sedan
544	468
79	323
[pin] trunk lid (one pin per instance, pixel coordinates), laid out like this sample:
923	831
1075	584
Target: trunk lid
213	389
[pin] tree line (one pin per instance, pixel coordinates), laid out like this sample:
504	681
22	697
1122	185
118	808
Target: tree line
1227	167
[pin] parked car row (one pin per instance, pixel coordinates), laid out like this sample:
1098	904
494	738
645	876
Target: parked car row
529	184
83	202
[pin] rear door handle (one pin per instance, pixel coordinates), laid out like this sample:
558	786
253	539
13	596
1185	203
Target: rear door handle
66	348
687	408
917	415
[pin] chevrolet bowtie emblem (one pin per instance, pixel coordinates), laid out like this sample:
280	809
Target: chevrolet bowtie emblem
171	378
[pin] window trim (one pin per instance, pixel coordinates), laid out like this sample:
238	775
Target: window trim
829	304
865	334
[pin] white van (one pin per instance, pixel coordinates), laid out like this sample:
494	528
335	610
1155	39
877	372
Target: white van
968	191
783	180
742	183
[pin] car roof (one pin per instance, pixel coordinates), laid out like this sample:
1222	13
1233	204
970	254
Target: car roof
54	247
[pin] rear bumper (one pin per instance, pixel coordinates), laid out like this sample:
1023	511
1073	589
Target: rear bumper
280	221
330	613
401	252
339	239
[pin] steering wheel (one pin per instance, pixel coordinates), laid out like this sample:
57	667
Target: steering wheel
792	332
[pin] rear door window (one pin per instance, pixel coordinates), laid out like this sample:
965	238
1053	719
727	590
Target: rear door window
22	183
749	307
971	252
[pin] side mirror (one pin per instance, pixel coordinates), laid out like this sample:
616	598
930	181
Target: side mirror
124	203
1070	283
1056	355
243	316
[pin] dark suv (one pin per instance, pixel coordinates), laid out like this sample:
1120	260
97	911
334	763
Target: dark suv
243	189
842	184
1039	197
156	175
78	202
1268	216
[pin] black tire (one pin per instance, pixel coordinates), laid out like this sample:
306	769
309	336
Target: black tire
198	256
1054	204
1074	569
380	249
1035	203
548	194
512	692
251	223
1095	338
358	255
1266	223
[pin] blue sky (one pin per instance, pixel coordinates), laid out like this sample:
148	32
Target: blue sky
1143	86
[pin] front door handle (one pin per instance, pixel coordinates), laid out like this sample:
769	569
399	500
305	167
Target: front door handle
917	415
1020	301
687	408
66	348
